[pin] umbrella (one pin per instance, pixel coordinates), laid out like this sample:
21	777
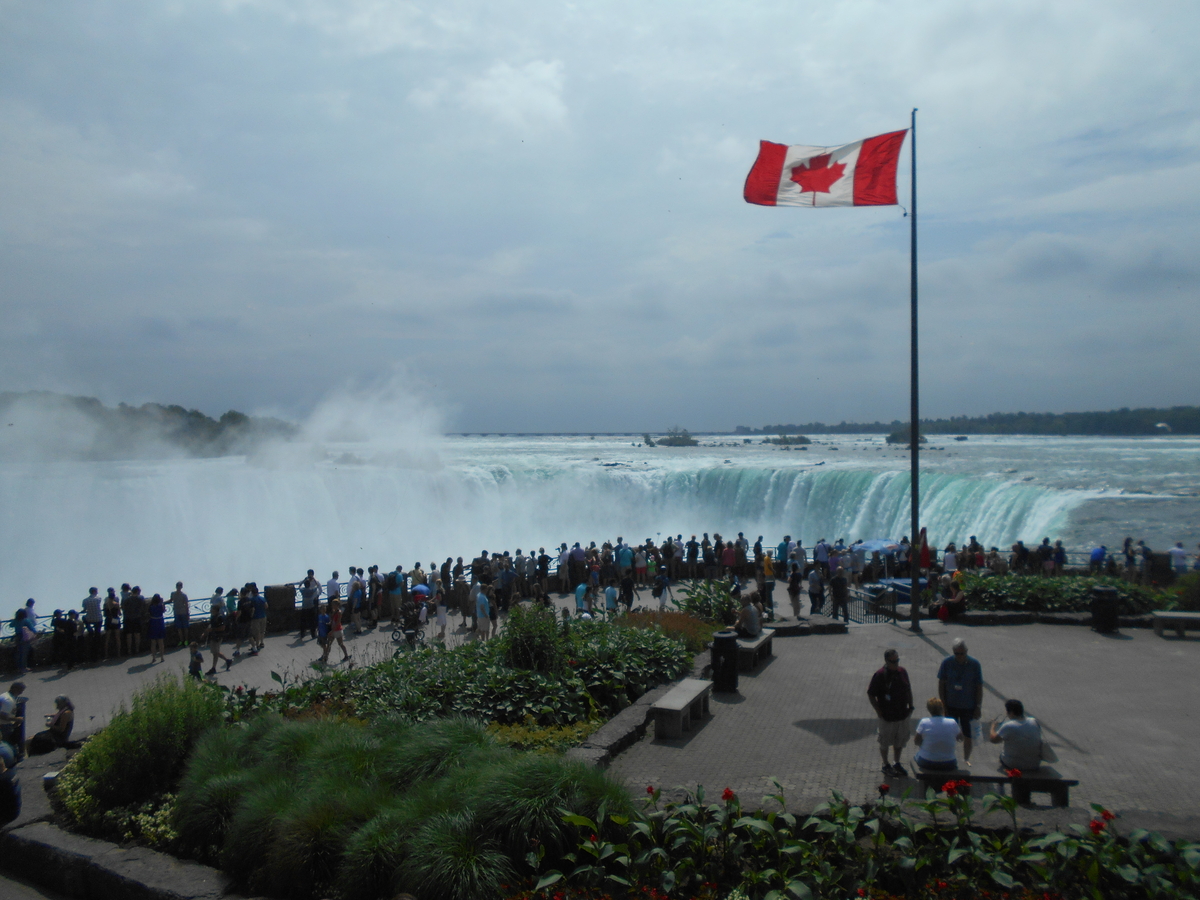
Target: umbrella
881	545
421	589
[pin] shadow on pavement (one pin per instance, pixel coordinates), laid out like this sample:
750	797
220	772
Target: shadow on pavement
839	731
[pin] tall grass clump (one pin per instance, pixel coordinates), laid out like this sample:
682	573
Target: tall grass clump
328	807
139	756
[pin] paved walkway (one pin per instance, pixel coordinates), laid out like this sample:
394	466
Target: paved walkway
1122	712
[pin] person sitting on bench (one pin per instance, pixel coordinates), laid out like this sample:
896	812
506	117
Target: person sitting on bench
1021	736
935	739
749	622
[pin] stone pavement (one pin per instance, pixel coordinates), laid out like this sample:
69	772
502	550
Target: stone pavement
1123	713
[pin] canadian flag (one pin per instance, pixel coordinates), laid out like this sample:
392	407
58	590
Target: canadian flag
858	174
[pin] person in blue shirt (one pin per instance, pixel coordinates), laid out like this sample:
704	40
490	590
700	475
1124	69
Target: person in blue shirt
662	589
483	613
258	621
960	687
610	597
581	597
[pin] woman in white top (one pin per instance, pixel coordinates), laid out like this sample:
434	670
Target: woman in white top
935	739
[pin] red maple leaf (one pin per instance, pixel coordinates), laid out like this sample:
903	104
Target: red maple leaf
818	176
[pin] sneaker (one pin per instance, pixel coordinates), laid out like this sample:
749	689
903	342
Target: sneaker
899	771
254	653
887	770
211	672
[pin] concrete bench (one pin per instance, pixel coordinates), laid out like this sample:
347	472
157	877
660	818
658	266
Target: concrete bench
674	711
1177	620
1043	781
752	651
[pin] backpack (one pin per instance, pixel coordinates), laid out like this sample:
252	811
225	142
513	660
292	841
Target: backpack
390	582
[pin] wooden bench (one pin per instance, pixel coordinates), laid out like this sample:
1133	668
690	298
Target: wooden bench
675	710
1043	781
1177	620
751	651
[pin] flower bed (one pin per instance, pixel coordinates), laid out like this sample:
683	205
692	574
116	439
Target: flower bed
1033	593
708	851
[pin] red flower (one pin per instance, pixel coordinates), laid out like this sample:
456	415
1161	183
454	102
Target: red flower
950	788
650	789
1106	815
1096	825
727	794
239	689
883	789
593	839
1013	773
941	885
570	662
862	892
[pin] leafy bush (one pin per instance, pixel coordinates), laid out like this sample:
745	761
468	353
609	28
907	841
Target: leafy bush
137	758
710	601
1187	593
604	668
531	640
436	809
695	633
1033	593
712	850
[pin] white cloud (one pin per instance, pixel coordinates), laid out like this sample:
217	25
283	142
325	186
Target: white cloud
522	97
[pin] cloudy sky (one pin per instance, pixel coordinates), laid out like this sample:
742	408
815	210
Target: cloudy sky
529	214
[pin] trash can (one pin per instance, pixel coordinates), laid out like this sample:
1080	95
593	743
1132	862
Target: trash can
1105	606
725	662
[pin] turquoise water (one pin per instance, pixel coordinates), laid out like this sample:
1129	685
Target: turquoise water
270	517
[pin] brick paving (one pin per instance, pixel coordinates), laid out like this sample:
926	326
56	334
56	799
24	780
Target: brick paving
1123	713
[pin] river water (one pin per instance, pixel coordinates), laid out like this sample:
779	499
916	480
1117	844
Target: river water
268	517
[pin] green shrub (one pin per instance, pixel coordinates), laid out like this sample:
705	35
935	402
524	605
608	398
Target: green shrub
603	668
1035	593
327	807
139	756
710	601
532	640
1187	593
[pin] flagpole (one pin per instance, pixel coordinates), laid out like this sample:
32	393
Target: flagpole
914	431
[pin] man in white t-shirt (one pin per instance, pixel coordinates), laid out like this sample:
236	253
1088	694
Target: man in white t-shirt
333	588
936	739
1178	558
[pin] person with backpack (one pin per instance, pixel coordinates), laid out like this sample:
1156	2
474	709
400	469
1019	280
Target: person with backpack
662	589
241	609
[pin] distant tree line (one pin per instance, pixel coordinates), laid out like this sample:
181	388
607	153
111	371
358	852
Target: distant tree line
83	427
1179	419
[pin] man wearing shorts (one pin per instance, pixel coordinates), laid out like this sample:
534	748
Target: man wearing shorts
890	694
960	685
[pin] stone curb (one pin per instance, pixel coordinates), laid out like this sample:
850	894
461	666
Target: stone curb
91	869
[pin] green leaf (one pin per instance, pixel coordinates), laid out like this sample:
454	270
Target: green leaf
1129	873
1003	879
548	879
799	890
275	676
581	821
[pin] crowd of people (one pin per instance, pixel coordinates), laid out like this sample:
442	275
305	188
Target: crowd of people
607	577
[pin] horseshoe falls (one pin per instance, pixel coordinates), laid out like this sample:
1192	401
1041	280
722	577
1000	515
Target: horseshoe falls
69	525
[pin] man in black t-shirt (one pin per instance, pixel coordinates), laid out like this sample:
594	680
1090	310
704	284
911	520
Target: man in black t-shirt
890	694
